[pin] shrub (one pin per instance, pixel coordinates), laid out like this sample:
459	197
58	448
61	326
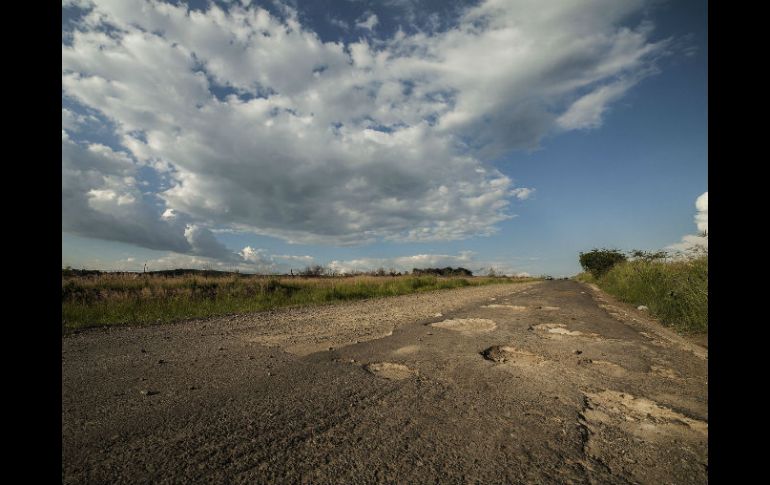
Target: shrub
599	261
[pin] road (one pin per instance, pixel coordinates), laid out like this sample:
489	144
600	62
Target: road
547	382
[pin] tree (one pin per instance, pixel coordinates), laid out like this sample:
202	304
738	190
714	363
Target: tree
648	255
599	261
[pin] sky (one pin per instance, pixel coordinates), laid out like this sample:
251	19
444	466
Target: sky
264	136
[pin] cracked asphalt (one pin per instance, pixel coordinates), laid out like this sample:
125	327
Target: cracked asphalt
548	382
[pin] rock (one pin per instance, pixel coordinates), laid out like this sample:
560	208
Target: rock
161	361
147	392
642	308
578	352
269	374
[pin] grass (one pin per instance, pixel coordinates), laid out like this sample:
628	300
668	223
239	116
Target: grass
137	299
676	292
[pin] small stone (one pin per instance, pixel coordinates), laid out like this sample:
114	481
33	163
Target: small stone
221	348
642	308
161	361
269	374
578	352
251	357
144	351
147	392
193	388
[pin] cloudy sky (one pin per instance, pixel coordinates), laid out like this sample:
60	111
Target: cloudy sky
268	135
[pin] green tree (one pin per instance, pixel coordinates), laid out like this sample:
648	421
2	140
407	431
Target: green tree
599	261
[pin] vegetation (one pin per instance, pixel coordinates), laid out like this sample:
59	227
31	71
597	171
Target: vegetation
674	290
448	271
96	299
599	261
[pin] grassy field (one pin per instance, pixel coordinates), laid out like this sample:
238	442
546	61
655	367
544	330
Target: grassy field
675	292
137	299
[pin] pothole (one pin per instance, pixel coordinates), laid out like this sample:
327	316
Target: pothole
504	353
560	329
609	368
470	325
645	419
664	372
649	442
512	307
391	371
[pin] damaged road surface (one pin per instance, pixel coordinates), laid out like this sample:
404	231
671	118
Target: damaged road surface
548	382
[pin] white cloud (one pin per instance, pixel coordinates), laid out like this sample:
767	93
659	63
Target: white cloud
320	142
695	242
101	198
466	259
368	23
588	110
522	193
702	216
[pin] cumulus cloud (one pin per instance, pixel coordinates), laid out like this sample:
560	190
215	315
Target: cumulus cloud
694	242
261	126
101	198
702	216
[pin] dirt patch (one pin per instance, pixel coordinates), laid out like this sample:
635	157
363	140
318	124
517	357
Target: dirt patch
664	372
303	331
512	307
560	329
642	440
609	368
390	371
467	325
645	419
504	353
409	349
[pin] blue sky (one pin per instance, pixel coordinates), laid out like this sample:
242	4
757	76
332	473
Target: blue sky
263	136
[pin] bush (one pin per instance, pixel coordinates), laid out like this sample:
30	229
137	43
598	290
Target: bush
599	261
676	292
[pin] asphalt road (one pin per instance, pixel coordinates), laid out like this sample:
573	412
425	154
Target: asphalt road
541	383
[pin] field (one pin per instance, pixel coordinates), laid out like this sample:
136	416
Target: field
676	292
99	299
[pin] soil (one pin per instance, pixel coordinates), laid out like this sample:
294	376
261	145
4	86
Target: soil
554	383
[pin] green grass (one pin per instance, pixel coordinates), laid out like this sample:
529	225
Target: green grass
675	292
128	299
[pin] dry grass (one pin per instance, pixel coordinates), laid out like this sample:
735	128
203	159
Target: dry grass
674	291
121	299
